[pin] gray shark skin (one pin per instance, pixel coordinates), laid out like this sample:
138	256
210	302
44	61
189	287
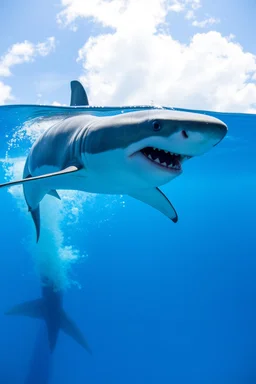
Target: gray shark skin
78	94
131	152
50	309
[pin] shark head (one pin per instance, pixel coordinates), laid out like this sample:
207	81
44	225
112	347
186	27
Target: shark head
150	146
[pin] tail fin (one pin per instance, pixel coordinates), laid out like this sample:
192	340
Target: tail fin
70	328
34	308
38	309
78	94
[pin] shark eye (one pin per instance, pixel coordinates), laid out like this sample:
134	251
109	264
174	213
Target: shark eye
156	125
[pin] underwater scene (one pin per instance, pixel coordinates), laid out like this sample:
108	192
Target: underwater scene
139	299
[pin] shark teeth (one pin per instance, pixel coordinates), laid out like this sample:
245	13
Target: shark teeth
164	158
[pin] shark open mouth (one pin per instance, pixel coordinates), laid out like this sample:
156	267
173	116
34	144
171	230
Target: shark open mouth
164	158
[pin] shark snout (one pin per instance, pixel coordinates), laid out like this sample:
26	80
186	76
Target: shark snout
221	131
215	132
196	138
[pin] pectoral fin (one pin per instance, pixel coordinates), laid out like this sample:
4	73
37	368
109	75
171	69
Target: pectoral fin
35	213
67	170
54	193
157	199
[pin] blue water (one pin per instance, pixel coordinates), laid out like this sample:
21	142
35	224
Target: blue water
158	302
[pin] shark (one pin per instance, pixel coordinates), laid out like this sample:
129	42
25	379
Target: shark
50	309
130	151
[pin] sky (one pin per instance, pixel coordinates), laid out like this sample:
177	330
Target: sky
194	54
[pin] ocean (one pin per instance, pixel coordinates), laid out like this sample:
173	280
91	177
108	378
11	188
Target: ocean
158	302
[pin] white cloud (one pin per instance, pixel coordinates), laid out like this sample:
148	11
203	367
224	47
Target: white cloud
105	12
57	104
138	64
43	49
5	93
210	72
206	22
184	5
190	7
23	53
117	14
20	53
195	4
177	6
190	15
114	13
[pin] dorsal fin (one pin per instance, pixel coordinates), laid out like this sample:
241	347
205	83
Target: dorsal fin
78	94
